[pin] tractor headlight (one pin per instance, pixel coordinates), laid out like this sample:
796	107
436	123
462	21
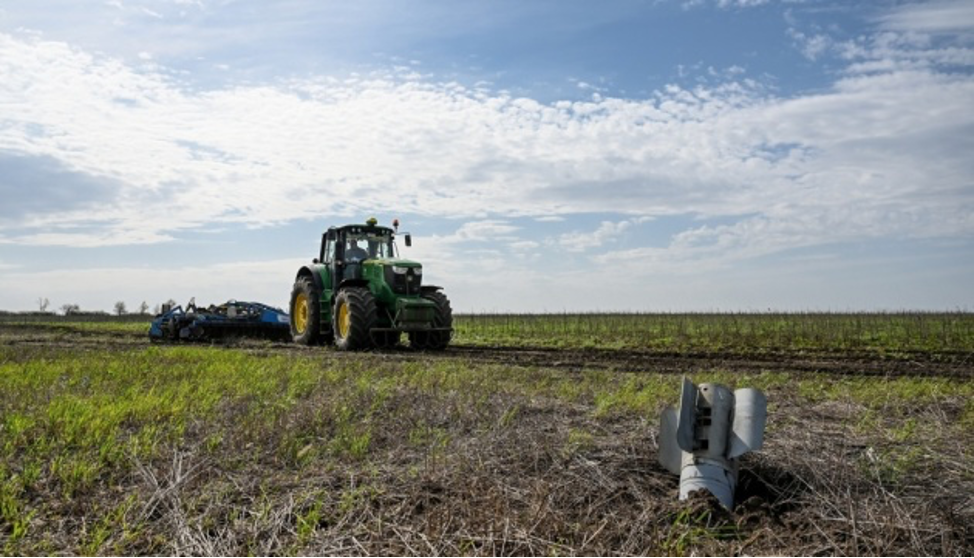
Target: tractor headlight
417	271
399	269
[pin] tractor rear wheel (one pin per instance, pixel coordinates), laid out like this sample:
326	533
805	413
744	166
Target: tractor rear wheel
354	317
306	313
442	317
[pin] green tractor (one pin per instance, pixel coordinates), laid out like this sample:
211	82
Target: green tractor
358	294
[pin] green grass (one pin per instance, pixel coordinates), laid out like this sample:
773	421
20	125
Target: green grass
886	333
88	413
879	393
696	528
76	423
891	334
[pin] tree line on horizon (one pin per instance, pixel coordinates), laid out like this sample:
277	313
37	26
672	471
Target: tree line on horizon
70	309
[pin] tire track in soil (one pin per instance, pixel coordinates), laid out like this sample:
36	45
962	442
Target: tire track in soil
960	365
956	364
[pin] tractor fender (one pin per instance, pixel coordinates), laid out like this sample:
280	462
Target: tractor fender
345	284
312	271
429	289
352	283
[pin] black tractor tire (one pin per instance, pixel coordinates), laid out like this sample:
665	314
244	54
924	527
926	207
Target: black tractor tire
305	312
357	306
442	317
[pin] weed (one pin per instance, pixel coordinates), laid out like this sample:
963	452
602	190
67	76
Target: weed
692	528
308	521
578	441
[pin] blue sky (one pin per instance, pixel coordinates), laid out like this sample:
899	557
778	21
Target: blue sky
546	155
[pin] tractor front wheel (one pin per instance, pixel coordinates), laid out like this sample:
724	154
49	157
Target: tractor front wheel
354	317
442	318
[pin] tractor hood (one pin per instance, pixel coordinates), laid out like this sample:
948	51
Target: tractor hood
400	262
397	276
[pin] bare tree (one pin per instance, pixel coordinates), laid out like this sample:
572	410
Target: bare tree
144	308
42	304
119	308
70	309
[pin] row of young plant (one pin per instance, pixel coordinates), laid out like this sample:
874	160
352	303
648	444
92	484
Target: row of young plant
893	331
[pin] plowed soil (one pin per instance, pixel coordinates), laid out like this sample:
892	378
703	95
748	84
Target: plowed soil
945	364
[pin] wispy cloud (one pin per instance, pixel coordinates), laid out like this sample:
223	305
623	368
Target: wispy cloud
884	151
741	3
812	46
936	16
607	232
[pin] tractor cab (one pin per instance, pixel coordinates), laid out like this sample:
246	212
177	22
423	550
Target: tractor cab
346	248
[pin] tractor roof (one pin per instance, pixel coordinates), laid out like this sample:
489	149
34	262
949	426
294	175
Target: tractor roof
370	226
363	228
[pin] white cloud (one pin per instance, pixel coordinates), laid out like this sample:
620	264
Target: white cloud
607	232
937	16
812	46
524	245
885	151
481	231
903	51
912	36
741	3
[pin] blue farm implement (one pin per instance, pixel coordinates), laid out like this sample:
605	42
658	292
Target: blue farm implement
232	319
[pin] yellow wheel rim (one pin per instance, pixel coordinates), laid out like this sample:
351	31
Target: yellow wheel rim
344	320
301	313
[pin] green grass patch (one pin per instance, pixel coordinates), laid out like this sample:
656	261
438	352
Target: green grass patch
879	392
80	426
892	335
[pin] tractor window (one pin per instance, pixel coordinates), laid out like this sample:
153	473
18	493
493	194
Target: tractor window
329	250
381	247
373	245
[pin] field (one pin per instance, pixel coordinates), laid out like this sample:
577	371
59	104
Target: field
529	435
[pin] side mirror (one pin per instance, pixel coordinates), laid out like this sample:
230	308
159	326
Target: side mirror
409	240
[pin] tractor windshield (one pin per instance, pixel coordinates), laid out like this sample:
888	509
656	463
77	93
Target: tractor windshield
369	245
